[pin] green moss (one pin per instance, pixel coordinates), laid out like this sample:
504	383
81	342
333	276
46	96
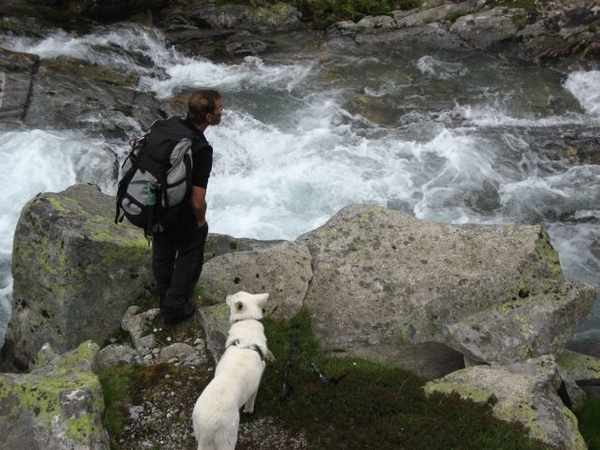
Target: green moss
465	392
135	250
589	418
323	13
520	21
117	382
42	394
579	366
547	257
372	406
85	352
364	406
409	4
454	17
55	202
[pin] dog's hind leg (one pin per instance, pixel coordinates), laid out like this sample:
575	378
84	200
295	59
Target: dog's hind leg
226	437
249	405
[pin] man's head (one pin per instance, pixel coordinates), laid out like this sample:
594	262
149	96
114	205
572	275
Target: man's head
205	107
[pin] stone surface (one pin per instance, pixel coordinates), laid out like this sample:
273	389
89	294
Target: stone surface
384	286
380	284
487	28
75	272
583	369
526	391
283	270
64	94
518	328
384	278
58	405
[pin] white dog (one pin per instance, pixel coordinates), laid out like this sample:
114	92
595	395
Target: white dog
216	415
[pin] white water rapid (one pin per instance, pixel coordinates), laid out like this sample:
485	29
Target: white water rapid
300	139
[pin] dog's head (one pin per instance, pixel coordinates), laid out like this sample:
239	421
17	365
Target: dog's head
245	306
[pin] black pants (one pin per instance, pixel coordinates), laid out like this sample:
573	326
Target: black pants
177	258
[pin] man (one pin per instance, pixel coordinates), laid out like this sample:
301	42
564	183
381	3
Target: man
178	252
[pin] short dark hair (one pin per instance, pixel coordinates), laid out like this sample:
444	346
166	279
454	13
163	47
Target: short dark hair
201	103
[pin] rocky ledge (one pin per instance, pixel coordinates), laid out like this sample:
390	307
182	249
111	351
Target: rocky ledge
480	310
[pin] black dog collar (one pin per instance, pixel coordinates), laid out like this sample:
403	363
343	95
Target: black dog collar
254	347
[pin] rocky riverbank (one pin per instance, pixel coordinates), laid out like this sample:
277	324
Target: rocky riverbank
548	31
61	261
474	312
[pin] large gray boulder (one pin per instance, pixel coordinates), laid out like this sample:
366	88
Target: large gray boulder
75	272
380	285
385	286
58	405
382	277
525	392
487	28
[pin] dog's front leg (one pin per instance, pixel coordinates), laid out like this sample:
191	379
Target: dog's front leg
249	405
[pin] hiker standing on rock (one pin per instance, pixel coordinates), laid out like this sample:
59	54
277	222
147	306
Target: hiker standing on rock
178	251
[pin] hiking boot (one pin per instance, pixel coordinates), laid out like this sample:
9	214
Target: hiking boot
173	317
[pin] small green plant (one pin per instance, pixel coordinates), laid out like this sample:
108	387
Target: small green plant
116	384
520	21
589	418
408	4
326	12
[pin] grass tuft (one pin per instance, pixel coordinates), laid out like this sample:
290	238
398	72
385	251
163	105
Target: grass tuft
589	418
116	384
371	406
331	402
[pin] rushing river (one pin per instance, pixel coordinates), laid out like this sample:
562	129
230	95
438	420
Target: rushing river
312	127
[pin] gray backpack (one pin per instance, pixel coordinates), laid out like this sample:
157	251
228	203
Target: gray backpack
158	180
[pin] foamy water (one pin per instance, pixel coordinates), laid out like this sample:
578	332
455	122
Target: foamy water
290	152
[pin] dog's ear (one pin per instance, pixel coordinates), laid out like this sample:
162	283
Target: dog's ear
229	300
261	298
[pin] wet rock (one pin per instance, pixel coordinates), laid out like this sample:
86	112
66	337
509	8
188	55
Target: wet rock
488	28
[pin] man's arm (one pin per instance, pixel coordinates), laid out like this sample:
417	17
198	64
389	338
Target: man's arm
199	204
